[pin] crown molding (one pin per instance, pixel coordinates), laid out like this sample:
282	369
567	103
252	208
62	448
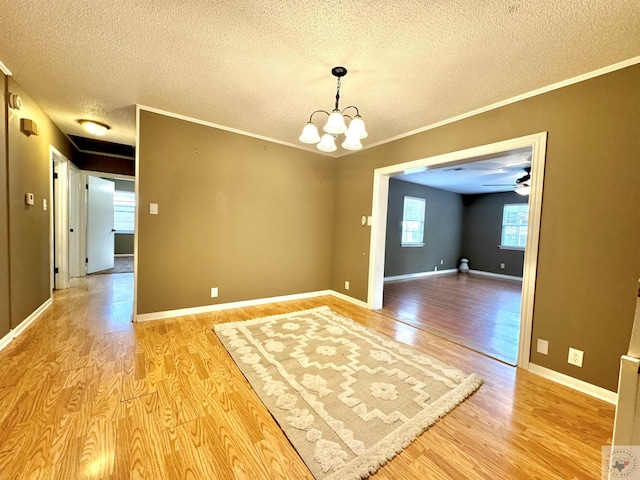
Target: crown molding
534	93
4	69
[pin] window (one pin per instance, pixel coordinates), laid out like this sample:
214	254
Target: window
124	211
514	226
413	222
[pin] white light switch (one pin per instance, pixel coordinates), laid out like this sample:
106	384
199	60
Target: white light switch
153	208
543	347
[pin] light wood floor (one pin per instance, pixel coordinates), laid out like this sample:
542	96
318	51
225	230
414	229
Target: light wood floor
479	312
86	394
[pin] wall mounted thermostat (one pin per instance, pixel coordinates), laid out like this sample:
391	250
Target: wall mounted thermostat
30	199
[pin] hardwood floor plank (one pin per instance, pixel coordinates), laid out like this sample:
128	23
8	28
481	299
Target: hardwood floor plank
479	312
97	451
85	394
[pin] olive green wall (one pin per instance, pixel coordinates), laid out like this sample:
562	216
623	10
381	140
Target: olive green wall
253	218
483	232
123	244
588	259
124	185
29	169
442	230
5	323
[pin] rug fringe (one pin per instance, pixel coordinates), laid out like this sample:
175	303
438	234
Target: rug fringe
388	448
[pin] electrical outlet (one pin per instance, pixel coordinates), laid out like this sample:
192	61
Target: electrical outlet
435	269
543	347
214	292
346	285
502	266
575	357
441	262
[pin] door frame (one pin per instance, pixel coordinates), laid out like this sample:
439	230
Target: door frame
58	219
77	192
83	211
381	177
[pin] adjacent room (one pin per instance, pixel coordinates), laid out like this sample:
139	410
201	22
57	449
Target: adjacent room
454	252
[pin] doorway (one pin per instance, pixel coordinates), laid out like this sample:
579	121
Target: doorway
110	223
59	220
537	143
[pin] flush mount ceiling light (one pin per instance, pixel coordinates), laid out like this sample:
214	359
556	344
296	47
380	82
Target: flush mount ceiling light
94	128
336	125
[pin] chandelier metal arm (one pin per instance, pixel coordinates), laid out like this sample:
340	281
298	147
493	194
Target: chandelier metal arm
350	106
311	116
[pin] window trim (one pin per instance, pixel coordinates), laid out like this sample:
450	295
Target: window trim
502	225
412	244
424	214
509	247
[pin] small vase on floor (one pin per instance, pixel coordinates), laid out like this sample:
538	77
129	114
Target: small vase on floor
464	265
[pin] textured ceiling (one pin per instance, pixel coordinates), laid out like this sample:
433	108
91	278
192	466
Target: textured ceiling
262	67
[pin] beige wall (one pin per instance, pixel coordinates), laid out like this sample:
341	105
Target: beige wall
29	225
253	218
589	260
5	324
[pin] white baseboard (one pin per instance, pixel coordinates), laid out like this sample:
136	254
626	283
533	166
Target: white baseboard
123	255
571	382
420	274
349	299
14	333
496	275
145	317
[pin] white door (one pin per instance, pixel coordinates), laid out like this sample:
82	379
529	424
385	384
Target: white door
74	231
59	206
100	238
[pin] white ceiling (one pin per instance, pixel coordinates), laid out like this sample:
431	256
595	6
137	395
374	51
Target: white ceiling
486	174
262	66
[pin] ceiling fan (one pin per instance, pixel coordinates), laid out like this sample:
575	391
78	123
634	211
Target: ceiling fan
525	179
522	185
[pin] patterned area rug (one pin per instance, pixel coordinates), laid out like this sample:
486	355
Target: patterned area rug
348	398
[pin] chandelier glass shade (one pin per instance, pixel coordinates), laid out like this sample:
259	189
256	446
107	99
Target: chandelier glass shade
336	125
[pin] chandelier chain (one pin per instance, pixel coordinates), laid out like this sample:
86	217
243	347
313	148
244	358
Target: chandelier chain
338	93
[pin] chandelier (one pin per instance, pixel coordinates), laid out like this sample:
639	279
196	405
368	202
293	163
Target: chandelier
336	125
